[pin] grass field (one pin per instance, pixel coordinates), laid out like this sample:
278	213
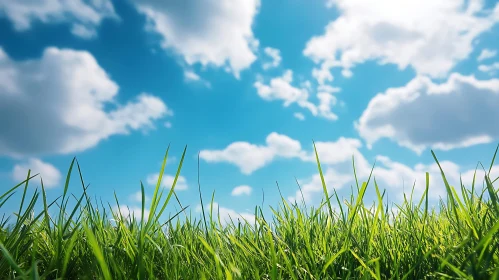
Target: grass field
460	240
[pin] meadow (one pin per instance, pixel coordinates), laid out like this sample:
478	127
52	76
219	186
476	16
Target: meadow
89	240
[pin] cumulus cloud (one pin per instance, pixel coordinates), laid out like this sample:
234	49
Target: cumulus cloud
55	105
50	174
167	181
491	69
457	113
241	190
213	32
249	157
280	88
137	197
430	36
275	55
299	116
486	54
191	76
85	16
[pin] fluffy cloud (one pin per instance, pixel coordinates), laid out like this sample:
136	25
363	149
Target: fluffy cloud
280	88
55	105
137	197
213	32
85	16
457	113
191	76
486	54
241	190
489	68
275	55
249	157
50	174
299	116
430	36
167	181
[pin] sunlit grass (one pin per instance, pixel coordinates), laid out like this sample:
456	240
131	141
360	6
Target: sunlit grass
459	240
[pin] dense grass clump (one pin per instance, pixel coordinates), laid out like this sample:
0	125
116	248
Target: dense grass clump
91	241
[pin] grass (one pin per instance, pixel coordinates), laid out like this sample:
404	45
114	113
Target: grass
91	241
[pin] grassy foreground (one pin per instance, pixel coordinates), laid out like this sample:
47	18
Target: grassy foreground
92	241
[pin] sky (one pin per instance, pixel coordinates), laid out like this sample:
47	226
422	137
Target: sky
247	86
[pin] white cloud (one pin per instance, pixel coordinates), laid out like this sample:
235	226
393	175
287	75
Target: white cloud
55	105
249	157
275	55
167	181
191	76
85	16
226	214
486	54
241	190
489	68
83	31
137	197
280	88
430	36
457	113
168	124
299	116
50	174
215	32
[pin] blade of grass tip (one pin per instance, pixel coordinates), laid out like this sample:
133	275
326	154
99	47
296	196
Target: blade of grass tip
211	208
173	185
447	186
24	196
324	188
17	186
302	196
45	209
492	194
143	204
92	241
493	159
201	200
4	201
155	200
62	208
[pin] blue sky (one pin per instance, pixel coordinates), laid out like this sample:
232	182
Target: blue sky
248	85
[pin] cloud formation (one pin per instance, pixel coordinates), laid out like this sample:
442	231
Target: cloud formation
50	175
249	157
55	105
241	190
429	36
275	55
455	114
213	32
85	16
281	88
167	181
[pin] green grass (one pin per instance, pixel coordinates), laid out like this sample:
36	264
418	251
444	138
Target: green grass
89	240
